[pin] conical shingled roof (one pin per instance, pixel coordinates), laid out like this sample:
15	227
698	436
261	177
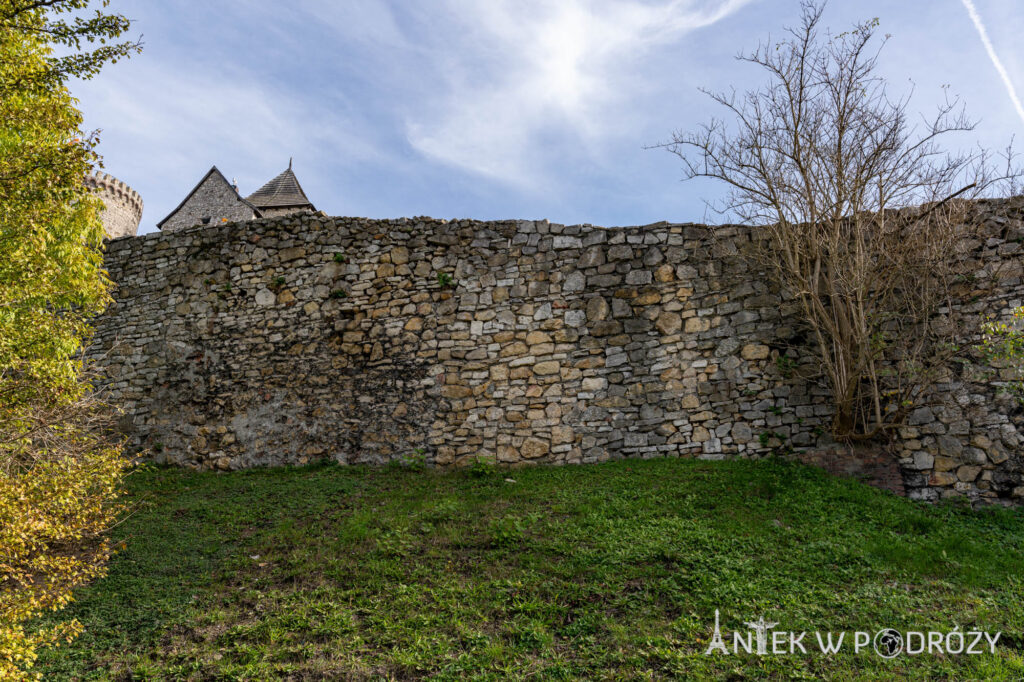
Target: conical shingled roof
281	192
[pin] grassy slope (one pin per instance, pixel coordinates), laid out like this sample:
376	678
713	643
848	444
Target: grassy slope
612	570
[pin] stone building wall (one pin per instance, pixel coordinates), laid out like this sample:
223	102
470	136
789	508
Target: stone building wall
214	199
279	211
122	206
289	339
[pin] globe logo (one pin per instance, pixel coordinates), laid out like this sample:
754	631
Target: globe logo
888	643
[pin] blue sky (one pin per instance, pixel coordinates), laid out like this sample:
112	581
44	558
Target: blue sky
487	108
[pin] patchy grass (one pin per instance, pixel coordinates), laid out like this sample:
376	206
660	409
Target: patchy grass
604	571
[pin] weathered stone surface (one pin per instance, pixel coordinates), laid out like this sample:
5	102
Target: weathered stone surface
591	258
456	391
669	323
574	283
755	351
741	432
265	297
213	201
597	309
695	325
122	205
968	473
561	434
536	337
545	368
243	344
399	255
575	318
564	242
606	328
923	460
620	252
533	448
690	402
950	446
922	415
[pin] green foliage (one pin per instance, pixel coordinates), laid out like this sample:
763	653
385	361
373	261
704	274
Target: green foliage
482	467
339	293
786	366
444	280
609	571
413	461
277	283
339	258
778	442
511	530
1002	344
50	236
45	23
58	474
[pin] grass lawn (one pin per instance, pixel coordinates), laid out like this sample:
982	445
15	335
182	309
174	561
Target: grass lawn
586	572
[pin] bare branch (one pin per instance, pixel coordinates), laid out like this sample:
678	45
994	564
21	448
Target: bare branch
830	167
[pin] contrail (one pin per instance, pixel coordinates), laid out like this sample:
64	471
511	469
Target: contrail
972	10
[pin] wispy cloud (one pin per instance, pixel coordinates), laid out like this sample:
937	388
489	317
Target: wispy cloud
187	118
484	108
540	72
367	22
983	34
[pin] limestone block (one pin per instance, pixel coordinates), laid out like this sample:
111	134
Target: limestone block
669	323
533	448
695	325
597	309
755	351
546	368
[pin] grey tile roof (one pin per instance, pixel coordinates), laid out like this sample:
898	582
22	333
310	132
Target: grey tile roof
282	191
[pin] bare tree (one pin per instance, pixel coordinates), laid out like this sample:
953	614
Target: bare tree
863	212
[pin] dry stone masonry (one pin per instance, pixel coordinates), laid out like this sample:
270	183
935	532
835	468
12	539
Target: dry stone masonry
122	205
213	200
286	340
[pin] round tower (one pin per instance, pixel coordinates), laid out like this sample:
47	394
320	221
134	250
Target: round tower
122	205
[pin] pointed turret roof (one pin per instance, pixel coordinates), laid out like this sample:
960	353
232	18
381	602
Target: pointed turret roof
284	191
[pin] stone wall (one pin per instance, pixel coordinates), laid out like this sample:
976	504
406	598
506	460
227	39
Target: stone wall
279	211
290	339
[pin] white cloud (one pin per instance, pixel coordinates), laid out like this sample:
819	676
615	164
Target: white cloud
996	62
166	124
364	21
522	72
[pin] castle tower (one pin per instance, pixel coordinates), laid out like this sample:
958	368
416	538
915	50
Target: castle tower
122	205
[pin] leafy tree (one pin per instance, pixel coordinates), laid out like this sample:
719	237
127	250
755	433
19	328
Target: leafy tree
59	470
860	212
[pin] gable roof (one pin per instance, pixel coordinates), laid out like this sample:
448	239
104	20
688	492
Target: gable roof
282	191
215	172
